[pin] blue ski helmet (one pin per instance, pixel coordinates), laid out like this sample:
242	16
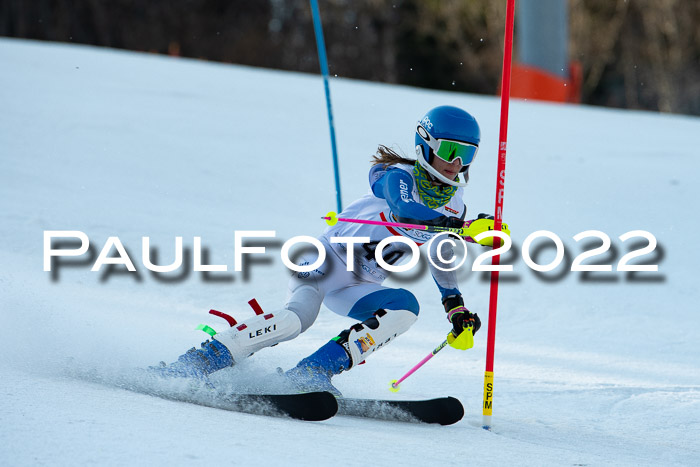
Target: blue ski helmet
449	133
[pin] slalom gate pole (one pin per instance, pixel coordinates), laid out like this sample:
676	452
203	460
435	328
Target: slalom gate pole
321	46
395	384
498	217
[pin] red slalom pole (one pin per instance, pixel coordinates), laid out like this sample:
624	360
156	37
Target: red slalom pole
498	217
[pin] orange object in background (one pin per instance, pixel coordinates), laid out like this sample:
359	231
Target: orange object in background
529	82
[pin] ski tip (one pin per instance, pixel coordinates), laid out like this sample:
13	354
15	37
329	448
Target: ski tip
454	411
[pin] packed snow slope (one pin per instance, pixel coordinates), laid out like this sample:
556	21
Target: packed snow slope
599	368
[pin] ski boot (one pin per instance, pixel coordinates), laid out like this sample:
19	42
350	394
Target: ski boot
351	347
198	363
235	344
314	373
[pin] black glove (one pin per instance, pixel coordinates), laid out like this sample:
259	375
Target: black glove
453	222
459	316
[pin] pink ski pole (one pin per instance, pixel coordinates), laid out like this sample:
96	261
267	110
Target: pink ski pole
332	218
395	384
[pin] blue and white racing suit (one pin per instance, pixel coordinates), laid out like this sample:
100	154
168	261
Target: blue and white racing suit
393	197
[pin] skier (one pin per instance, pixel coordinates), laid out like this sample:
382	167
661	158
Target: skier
424	191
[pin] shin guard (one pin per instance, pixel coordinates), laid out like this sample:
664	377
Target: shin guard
259	332
364	338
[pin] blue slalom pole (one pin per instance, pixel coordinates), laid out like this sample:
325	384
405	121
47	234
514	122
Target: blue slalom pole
321	46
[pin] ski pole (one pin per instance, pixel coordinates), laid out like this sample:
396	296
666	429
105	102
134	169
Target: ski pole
395	384
323	61
469	232
332	218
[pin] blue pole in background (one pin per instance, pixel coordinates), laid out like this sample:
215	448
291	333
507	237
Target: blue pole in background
320	44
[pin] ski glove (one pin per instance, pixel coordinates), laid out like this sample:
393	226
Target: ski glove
453	222
464	323
484	223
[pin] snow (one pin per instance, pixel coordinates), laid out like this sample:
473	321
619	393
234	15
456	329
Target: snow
590	369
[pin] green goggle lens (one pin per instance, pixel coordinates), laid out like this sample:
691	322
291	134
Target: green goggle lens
451	150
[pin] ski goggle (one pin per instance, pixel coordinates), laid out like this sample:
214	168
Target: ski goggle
449	150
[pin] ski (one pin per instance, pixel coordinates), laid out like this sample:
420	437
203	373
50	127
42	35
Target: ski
310	406
443	410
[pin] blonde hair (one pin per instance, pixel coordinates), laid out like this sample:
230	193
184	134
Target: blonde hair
388	156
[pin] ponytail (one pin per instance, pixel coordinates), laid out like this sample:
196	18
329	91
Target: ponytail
388	156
